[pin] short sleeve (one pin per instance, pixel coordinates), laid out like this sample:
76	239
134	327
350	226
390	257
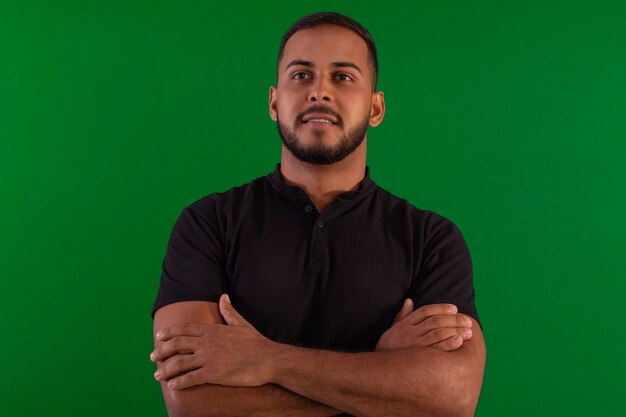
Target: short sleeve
193	268
445	275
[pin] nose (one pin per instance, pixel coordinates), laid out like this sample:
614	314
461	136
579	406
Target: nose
320	91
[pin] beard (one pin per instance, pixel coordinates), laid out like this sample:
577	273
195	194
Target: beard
320	154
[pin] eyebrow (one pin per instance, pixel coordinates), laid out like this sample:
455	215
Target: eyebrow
339	64
346	64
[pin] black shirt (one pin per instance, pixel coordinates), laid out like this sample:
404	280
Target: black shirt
332	280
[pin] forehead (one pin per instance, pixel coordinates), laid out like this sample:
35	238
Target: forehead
325	44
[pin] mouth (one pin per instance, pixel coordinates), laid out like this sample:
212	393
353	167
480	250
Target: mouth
319	119
315	121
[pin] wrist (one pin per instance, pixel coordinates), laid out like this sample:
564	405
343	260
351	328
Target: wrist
279	362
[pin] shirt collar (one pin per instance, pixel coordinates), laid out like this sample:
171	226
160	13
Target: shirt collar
296	193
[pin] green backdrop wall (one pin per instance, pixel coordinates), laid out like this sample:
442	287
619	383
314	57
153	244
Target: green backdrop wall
507	117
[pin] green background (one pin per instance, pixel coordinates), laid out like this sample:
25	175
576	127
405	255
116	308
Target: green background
507	117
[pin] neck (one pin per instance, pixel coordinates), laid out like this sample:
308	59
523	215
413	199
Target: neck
323	183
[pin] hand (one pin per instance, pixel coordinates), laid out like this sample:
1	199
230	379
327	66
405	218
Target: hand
195	354
435	325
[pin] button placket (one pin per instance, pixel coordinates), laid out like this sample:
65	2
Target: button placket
318	240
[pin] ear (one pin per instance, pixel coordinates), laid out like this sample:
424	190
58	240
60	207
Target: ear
272	103
378	108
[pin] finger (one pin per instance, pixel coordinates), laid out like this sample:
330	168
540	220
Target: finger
231	316
407	308
440	320
186	329
443	333
449	344
176	345
467	334
187	380
428	310
176	365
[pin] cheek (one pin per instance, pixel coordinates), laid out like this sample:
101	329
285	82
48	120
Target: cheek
356	100
359	109
286	111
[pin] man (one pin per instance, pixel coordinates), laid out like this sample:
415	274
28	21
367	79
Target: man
313	292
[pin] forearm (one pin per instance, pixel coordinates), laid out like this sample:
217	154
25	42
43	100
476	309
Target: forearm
218	400
410	382
416	381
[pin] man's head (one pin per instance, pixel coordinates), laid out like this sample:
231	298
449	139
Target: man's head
325	97
336	19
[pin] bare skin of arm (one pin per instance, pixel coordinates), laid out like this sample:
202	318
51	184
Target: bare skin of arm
414	381
406	382
210	399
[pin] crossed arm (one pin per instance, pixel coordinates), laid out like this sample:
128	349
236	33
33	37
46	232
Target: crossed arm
424	365
218	400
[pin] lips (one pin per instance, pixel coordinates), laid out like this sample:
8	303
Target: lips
320	118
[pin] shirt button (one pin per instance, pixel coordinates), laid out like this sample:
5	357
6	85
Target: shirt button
308	209
320	224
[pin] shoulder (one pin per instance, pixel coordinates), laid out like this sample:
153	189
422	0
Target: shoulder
426	222
230	201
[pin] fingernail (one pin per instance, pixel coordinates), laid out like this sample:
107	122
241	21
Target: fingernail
157	374
468	332
452	308
227	299
159	334
152	355
171	384
467	321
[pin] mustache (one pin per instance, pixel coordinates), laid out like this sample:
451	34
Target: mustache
319	109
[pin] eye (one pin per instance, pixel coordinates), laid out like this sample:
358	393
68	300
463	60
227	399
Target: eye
300	76
343	77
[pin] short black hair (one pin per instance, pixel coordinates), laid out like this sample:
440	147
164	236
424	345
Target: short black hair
331	18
